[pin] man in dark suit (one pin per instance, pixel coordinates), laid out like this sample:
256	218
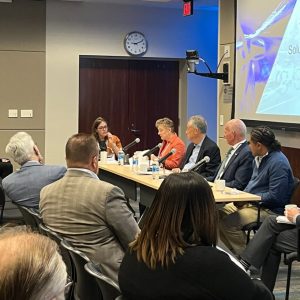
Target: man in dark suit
236	168
201	145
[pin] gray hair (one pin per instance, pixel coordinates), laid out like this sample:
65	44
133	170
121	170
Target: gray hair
31	267
239	127
199	122
20	147
166	122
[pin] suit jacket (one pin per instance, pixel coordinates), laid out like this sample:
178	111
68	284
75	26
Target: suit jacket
23	186
239	168
208	148
92	215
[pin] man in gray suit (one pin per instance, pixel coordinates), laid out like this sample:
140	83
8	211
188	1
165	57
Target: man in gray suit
23	186
89	213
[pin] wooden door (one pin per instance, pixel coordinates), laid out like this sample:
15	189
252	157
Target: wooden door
130	94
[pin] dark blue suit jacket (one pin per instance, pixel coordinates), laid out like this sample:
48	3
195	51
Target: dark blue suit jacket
208	148
239	169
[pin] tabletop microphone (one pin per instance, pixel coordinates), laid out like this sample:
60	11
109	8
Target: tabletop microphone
136	141
161	160
201	162
151	151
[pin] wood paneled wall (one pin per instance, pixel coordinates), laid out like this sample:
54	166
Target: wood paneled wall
293	156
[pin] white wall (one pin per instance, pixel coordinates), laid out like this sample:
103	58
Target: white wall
75	29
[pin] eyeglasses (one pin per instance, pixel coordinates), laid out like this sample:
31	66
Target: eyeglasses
68	288
102	127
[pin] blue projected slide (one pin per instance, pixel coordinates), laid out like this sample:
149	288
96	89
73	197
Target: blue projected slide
268	60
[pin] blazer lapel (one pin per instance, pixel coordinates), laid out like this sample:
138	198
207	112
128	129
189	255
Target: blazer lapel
234	156
203	147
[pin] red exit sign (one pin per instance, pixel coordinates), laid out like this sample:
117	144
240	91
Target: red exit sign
187	7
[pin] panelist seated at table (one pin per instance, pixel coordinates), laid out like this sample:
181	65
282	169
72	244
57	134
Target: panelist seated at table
201	145
175	255
236	168
272	179
107	141
171	141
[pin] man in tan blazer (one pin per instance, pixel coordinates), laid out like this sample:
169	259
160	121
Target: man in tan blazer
90	213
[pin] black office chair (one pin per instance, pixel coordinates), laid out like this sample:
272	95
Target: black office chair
86	286
254	226
110	290
289	258
31	216
65	256
2	203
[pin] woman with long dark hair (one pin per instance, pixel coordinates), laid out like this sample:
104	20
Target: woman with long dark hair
175	255
107	141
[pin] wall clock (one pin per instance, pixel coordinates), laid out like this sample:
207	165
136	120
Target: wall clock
135	43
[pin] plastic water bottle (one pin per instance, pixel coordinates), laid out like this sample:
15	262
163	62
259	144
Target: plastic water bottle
121	156
155	169
135	162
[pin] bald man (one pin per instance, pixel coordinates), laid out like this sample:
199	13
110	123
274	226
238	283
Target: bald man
236	168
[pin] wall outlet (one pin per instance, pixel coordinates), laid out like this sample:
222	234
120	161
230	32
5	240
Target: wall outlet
227	51
221	120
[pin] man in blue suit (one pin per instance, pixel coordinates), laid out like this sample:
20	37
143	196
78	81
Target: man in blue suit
236	168
23	186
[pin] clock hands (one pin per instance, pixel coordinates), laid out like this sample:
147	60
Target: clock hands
138	42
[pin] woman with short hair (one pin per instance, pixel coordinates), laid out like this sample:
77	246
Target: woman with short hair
166	131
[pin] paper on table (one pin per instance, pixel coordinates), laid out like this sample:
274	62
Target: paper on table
283	219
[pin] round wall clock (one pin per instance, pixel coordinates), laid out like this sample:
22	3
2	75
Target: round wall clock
135	43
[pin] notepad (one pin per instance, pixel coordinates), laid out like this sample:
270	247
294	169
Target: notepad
284	220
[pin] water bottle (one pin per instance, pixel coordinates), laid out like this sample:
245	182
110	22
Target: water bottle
135	162
121	155
155	169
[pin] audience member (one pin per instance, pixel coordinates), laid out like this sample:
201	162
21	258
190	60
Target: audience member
23	186
272	180
171	141
236	168
201	145
175	255
107	141
89	213
272	239
31	267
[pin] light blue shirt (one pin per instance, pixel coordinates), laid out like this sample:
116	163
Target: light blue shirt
193	158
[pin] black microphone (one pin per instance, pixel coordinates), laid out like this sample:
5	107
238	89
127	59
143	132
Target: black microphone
151	151
136	141
201	162
161	160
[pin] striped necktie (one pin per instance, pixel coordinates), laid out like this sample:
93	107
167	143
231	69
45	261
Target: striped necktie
223	165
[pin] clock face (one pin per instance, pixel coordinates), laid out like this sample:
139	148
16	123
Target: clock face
135	43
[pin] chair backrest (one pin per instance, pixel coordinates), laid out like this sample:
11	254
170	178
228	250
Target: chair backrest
295	198
110	290
2	203
31	216
85	286
64	253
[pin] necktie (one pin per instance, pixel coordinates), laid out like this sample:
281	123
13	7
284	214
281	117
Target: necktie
223	165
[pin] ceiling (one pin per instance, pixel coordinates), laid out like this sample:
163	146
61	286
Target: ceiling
157	3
